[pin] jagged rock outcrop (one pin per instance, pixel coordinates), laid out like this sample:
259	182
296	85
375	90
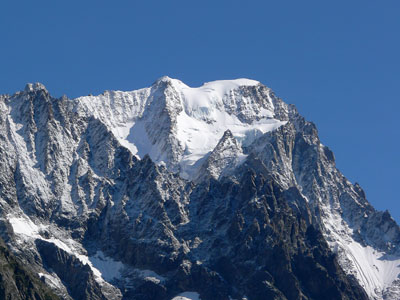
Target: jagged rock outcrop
17	282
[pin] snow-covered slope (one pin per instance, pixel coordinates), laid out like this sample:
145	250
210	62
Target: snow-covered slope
377	270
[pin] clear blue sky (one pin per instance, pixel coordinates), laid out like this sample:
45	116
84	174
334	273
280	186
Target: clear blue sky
338	61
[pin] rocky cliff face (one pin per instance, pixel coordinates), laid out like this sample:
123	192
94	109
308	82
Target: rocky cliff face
18	282
224	191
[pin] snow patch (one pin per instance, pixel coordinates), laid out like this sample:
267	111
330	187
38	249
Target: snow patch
52	281
376	271
103	267
24	227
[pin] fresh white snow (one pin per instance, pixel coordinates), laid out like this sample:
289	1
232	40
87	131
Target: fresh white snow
24	227
26	230
102	266
204	119
375	270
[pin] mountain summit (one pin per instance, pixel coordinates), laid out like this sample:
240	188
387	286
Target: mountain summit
177	125
222	191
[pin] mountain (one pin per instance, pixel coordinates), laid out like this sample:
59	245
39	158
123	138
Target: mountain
171	192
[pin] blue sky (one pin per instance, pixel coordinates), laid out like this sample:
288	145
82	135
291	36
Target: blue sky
337	61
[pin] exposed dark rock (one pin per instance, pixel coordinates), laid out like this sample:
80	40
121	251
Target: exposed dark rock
17	282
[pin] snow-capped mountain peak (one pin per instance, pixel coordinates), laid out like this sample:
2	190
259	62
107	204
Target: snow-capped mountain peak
245	200
187	121
34	87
